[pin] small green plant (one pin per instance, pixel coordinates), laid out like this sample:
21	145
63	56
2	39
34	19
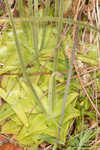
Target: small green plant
34	64
20	101
82	140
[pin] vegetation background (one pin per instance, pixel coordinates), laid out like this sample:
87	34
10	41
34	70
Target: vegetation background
49	74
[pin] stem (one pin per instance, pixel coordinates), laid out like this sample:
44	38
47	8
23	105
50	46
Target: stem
67	84
53	19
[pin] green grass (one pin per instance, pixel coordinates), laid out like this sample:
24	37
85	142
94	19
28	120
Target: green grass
40	103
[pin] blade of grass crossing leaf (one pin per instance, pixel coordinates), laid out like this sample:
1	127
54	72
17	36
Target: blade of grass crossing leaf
46	13
36	98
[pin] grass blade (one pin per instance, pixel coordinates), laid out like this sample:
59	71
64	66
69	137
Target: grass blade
53	19
68	83
57	4
34	28
56	52
46	13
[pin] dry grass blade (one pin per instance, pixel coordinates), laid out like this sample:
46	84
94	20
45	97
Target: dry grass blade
84	89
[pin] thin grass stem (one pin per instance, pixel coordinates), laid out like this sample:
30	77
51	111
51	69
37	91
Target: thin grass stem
57	4
52	19
60	23
34	28
67	84
46	13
